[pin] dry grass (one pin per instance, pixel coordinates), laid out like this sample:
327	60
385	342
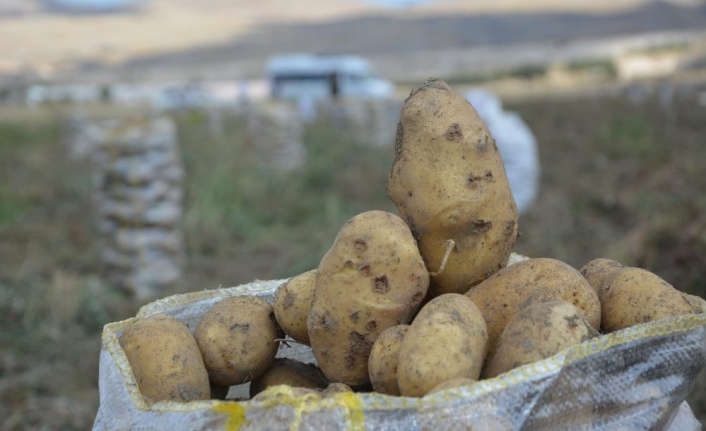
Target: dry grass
619	180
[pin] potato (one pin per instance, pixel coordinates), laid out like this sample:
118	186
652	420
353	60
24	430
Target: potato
382	364
292	303
237	339
165	360
446	340
448	182
277	393
505	293
335	388
372	278
285	371
452	383
536	332
600	272
282	394
638	296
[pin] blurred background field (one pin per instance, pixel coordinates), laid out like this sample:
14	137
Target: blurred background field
614	91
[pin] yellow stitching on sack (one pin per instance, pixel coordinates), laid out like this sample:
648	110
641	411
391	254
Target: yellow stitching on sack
669	326
354	411
283	395
378	401
235	413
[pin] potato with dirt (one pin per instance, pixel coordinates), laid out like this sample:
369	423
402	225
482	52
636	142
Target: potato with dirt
283	394
292	302
446	340
335	388
165	360
237	338
382	364
372	278
600	272
636	296
448	182
285	371
506	292
537	332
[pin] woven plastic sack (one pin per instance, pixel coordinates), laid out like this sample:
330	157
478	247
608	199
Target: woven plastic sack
634	379
516	143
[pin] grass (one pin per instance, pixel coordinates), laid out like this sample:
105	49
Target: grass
618	180
634	181
239	211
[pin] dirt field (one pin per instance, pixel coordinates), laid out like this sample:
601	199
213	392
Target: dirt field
196	39
619	180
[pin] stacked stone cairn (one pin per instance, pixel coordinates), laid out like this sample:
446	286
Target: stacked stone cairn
275	133
139	179
366	121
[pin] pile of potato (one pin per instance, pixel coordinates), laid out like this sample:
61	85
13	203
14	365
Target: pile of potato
412	304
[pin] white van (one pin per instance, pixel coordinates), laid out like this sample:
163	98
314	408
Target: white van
319	77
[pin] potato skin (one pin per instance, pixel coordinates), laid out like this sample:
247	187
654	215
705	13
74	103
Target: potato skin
446	340
372	278
505	293
382	364
638	296
236	338
292	303
600	272
335	388
448	182
285	371
275	395
536	332
165	360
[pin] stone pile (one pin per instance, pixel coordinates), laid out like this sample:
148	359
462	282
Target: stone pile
275	132
139	183
366	121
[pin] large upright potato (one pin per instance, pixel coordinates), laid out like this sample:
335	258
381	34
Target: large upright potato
446	340
504	294
165	360
372	278
448	182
